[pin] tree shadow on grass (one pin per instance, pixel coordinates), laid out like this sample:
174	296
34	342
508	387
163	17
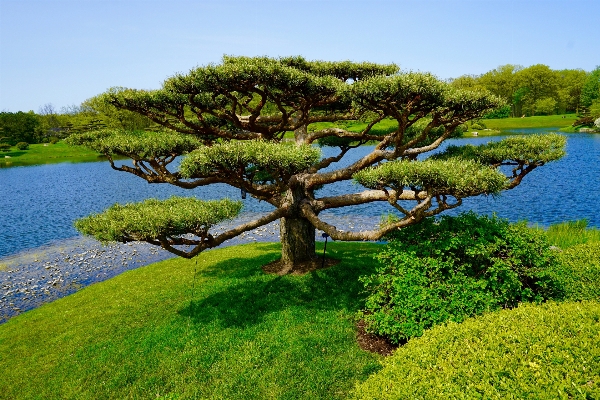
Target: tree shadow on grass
247	302
237	267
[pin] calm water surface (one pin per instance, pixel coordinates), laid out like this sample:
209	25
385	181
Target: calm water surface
38	204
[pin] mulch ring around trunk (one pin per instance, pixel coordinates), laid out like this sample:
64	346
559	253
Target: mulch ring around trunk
279	268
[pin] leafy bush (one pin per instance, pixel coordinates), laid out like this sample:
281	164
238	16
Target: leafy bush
477	125
4	147
547	351
22	145
454	268
584	121
54	140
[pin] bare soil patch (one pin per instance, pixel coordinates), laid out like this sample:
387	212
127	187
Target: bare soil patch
373	343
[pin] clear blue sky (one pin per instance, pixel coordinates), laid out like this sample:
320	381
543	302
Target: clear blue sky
63	52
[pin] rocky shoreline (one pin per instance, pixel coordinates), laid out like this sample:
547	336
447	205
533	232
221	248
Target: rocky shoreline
38	276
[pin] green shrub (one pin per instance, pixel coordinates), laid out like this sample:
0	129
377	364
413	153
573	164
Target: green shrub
54	140
547	351
579	271
478	125
4	147
502	112
454	268
22	145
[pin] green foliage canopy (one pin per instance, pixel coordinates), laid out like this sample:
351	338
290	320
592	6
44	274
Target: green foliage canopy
529	91
18	127
453	177
238	96
529	149
545	106
136	144
243	157
156	220
591	88
113	117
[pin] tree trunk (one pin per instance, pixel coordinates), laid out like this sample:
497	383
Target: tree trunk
297	233
297	241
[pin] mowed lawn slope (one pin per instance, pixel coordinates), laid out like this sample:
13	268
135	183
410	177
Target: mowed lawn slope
538	121
231	332
48	154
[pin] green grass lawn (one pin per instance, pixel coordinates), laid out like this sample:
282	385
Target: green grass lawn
545	121
571	233
233	332
48	154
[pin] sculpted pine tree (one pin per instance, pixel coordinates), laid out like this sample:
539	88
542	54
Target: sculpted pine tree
228	121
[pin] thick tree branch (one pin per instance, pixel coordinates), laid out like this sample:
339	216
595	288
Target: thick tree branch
341	133
416	215
367	196
150	176
424	149
520	172
210	241
346	173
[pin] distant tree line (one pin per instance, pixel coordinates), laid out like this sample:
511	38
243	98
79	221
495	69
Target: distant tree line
535	90
50	125
538	90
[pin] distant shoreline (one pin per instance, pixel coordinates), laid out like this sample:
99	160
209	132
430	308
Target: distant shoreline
39	154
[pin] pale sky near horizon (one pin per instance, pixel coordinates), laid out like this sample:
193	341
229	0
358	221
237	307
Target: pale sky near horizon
65	51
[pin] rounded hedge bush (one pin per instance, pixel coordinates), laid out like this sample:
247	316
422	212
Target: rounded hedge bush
22	145
5	147
579	271
547	351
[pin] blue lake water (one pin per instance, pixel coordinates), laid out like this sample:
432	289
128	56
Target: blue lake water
38	204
